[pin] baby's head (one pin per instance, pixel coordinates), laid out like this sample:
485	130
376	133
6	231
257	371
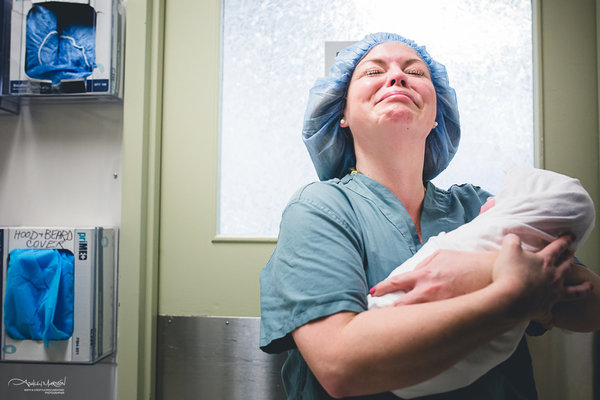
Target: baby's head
553	203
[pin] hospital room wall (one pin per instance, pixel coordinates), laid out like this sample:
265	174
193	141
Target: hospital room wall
60	164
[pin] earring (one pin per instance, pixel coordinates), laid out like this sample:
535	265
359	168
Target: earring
435	124
342	122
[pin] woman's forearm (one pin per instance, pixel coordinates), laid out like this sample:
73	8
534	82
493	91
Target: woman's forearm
379	350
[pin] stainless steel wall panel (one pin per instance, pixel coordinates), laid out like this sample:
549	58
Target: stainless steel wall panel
215	358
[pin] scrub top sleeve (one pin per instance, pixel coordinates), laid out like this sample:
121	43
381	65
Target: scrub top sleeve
316	271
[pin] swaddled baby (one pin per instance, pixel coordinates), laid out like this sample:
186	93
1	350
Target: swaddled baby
538	206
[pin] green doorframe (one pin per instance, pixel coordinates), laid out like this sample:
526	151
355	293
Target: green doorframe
138	263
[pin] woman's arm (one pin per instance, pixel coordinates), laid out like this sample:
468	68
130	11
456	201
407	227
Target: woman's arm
378	350
389	348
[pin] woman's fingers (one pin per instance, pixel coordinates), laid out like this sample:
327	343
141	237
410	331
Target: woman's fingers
511	244
577	292
420	294
404	282
412	297
562	258
512	241
563	265
510	255
538	281
557	250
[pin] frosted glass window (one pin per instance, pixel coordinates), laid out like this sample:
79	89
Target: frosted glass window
274	50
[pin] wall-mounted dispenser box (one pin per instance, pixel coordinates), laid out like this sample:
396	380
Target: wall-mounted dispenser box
66	48
7	103
58	294
4	42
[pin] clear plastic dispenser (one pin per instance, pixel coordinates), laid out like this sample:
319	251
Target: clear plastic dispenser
58	294
66	48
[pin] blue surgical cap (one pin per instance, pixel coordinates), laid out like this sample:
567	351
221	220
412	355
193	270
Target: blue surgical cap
331	147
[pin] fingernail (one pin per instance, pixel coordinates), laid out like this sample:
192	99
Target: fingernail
372	291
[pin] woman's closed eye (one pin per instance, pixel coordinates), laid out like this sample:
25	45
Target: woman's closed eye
373	72
415	72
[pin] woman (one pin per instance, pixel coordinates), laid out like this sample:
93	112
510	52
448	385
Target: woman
387	111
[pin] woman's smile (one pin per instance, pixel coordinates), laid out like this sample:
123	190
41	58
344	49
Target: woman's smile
396	95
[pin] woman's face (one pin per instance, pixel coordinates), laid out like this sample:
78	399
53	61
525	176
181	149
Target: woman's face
390	87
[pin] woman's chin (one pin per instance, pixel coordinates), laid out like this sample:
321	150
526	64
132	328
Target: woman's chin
398	117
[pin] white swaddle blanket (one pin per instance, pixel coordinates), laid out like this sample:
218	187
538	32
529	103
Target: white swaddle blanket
538	206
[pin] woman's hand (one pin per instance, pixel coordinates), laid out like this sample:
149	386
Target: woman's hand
443	275
535	282
584	315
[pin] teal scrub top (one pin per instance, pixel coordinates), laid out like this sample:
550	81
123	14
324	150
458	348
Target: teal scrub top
338	239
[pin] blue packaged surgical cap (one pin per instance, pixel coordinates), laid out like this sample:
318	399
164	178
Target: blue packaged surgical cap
39	295
60	41
331	147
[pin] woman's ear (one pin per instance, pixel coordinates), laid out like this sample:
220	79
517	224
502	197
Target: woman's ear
343	123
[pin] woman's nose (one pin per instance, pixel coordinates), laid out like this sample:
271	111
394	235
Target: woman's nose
397	77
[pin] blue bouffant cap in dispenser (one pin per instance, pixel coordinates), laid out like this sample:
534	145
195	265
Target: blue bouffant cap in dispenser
39	295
